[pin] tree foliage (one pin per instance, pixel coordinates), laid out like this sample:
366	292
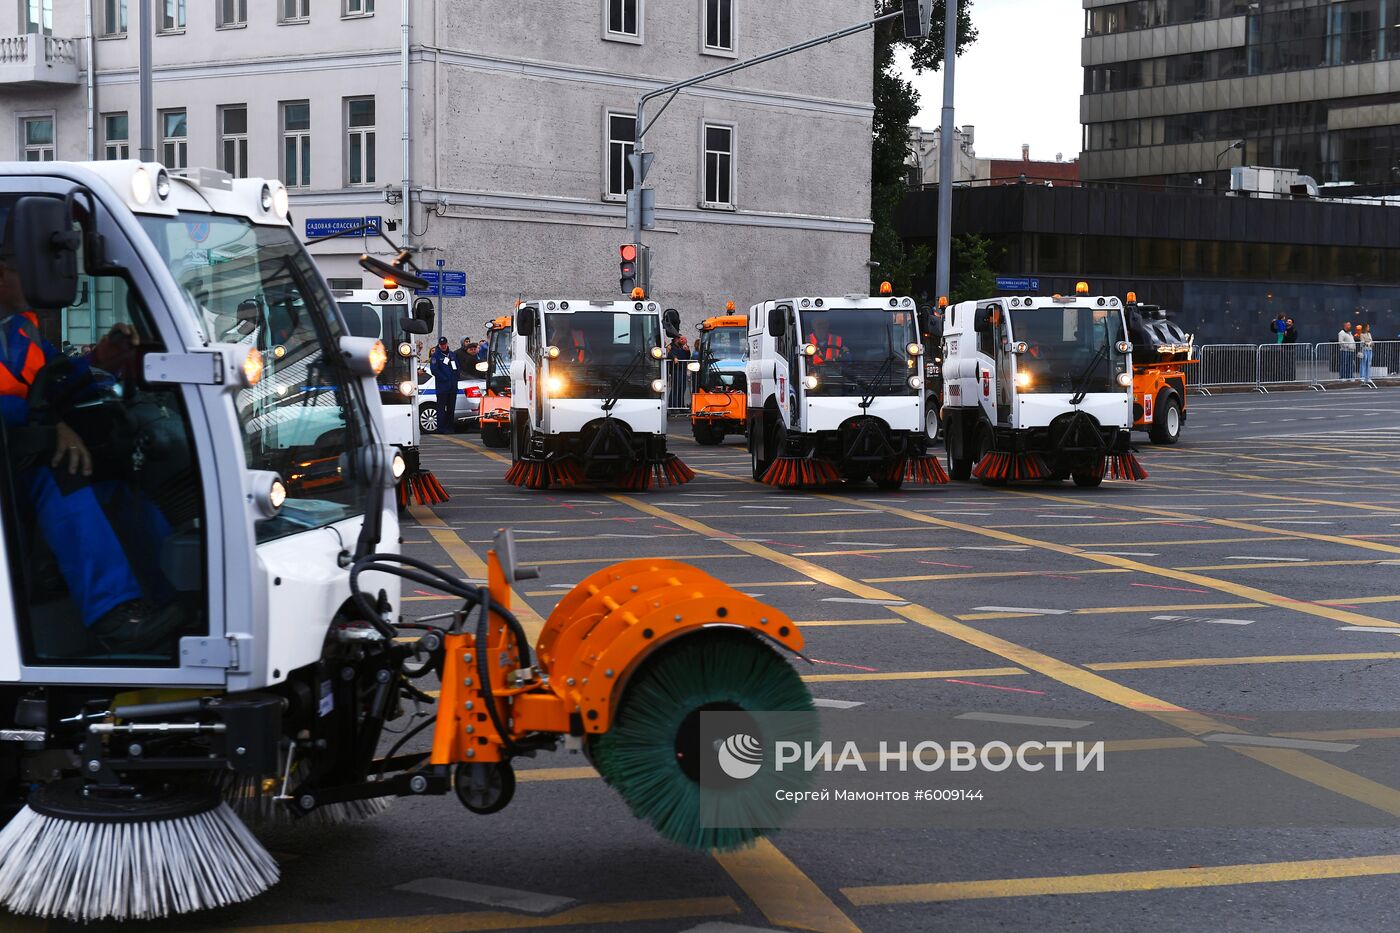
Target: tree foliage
896	104
973	275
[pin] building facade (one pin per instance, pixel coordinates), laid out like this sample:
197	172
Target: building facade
925	157
515	126
1176	92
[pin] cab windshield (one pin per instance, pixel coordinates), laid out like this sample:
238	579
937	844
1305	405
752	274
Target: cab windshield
722	354
859	352
365	319
255	285
725	343
604	352
1068	349
498	357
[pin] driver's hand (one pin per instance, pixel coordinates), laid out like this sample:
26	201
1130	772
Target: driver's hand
127	331
71	447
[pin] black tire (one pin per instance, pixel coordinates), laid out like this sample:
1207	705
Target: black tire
494	436
1087	479
707	435
1166	422
1058	476
759	467
959	469
890	485
428	418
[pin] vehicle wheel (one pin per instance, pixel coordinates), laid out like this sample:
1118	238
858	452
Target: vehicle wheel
1087	479
493	436
760	467
1058	476
1166	423
960	469
428	418
707	435
890	485
933	427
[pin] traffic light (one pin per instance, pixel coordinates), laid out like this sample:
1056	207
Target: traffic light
628	267
918	16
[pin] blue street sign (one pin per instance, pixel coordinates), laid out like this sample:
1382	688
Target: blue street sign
447	283
1013	284
441	263
341	226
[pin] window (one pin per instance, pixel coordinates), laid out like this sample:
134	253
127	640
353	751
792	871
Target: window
233	13
37	136
233	140
719	166
359	7
296	144
113	17
359	140
174	139
38	16
719	25
624	19
172	16
293	11
116	131
622	138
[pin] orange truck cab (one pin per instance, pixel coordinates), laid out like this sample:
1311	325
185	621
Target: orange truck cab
718	406
1162	357
495	406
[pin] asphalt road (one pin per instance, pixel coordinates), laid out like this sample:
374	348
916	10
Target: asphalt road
1238	583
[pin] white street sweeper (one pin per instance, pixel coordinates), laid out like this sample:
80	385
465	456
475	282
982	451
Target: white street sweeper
383	314
199	626
1039	389
836	392
588	395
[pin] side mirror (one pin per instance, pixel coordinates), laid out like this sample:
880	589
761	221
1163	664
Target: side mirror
483	366
986	319
525	321
45	252
382	270
671	321
777	322
413	326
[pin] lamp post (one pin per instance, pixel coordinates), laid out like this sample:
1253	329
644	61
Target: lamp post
1237	144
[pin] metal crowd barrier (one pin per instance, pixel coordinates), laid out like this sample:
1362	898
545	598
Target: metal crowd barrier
1315	365
1228	364
680	385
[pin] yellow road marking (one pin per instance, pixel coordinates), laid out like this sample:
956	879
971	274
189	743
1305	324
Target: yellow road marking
919	577
787	897
836	622
1256	659
1117	882
555	774
913	675
1122	563
1327	775
613	560
1275	564
605	913
1340	735
474	567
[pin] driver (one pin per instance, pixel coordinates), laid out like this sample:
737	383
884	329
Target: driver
53	469
829	346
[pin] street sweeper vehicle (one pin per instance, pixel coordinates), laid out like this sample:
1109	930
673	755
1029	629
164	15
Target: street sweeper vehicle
1039	389
717	405
1162	355
588	395
495	405
199	609
836	392
383	314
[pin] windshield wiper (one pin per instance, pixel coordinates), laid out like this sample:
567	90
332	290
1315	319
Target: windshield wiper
615	392
1080	389
866	400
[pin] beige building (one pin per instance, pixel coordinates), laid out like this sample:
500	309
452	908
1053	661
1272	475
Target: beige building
516	124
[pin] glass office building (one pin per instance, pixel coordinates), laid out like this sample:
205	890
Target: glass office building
1178	91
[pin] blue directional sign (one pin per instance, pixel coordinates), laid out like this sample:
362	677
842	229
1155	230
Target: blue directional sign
444	283
341	226
1013	284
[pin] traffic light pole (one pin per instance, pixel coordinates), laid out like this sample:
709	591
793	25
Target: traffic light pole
639	160
944	275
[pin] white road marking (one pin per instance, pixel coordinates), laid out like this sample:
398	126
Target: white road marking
866	543
1026	720
533	531
1378	629
1039	612
525	901
1004	547
836	704
1293	521
866	602
765	506
1292	560
1203	619
1124	553
1268	741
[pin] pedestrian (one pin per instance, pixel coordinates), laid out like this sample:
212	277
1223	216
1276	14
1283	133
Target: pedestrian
1278	328
678	353
1367	345
1346	353
1290	358
466	356
483	352
445	376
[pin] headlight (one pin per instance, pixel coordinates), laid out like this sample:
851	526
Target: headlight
552	352
405	349
693	367
811	382
915	382
657	353
378	357
277	494
252	367
141	186
1124	346
1125	379
279	351
658	385
407	388
266	493
915	349
280	204
1023	380
555	385
397	466
809	349
265	199
162	185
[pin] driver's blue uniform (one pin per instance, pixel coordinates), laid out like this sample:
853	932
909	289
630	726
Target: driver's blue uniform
77	530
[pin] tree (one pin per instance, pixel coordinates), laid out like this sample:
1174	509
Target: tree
896	104
973	274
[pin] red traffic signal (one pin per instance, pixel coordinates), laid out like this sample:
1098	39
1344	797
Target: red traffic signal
628	251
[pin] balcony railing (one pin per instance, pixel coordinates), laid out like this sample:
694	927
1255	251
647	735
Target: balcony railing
39	61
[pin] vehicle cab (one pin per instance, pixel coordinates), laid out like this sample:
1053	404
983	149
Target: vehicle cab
379	313
495	405
720	379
